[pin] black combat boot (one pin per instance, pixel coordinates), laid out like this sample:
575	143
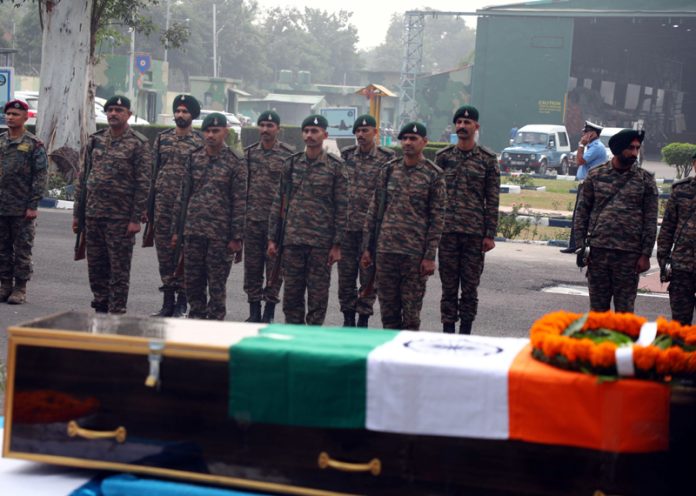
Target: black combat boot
5	289
167	304
448	327
181	305
465	326
348	319
362	320
268	313
100	306
19	292
254	312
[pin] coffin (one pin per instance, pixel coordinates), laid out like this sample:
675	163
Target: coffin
152	396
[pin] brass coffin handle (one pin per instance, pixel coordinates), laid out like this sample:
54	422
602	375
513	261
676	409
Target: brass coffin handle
75	430
374	466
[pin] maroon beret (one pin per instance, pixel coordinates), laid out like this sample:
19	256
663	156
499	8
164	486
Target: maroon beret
16	104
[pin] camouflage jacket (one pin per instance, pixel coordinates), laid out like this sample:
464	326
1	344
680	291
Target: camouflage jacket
415	210
473	190
679	227
362	180
217	200
264	168
171	157
23	167
618	210
119	175
316	215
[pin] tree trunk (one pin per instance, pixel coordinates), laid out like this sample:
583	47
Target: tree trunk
66	116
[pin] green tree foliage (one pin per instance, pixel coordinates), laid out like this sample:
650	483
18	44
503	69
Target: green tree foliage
679	155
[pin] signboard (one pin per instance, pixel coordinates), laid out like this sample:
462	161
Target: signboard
341	121
6	89
142	62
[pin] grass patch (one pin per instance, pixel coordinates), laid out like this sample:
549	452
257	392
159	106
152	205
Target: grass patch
540	200
544	233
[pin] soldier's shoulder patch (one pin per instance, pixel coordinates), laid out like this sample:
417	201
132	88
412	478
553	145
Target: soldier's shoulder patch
445	149
286	147
100	132
198	149
247	148
34	139
487	151
433	166
393	161
387	151
140	136
682	182
349	148
166	131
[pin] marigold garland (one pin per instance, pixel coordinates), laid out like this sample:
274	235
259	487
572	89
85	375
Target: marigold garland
677	360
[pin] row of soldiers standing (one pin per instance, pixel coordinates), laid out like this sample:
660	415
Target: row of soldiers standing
383	219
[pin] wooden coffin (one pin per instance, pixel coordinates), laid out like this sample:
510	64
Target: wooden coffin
84	391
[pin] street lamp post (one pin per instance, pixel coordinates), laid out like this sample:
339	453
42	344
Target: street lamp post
166	27
132	64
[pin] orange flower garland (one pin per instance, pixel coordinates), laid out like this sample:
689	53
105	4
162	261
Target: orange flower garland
550	345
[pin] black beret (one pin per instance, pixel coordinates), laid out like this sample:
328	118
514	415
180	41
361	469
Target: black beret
216	119
591	126
117	101
316	120
190	103
413	128
268	116
466	111
364	120
17	104
621	140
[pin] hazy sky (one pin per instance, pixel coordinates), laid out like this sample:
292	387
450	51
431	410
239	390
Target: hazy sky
372	17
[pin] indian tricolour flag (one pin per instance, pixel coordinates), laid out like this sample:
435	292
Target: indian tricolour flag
432	384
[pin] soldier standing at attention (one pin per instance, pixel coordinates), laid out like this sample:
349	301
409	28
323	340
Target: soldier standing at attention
119	162
472	178
23	167
264	160
617	219
172	149
413	193
363	163
675	249
213	229
313	194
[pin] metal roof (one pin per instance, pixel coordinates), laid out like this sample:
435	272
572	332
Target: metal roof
594	8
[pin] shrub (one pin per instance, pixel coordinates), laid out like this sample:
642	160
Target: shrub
680	156
508	225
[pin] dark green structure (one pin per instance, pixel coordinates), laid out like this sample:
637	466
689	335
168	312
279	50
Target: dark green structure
620	63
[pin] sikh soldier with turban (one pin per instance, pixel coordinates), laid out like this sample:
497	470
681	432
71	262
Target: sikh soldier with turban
264	161
313	197
617	220
23	167
172	150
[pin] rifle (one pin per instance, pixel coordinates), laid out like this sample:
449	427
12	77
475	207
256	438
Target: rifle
80	247
179	249
149	232
280	231
372	247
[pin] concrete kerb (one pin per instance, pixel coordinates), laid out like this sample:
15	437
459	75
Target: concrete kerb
55	203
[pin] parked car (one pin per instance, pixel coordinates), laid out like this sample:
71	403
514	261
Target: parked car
233	122
32	99
538	147
100	115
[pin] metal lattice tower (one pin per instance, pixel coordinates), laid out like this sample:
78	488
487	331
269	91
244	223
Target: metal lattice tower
414	23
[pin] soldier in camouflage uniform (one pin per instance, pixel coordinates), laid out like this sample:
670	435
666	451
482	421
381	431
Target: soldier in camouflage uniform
363	162
675	248
617	219
410	231
119	163
314	187
214	222
265	160
23	168
172	150
472	177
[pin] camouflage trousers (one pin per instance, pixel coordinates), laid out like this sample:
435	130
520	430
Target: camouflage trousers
256	263
165	252
612	274
207	264
461	264
400	289
348	270
16	242
682	288
305	268
109	251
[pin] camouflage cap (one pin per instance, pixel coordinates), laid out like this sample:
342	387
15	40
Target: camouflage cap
316	120
413	128
216	119
621	140
467	112
117	101
16	104
268	116
190	103
364	120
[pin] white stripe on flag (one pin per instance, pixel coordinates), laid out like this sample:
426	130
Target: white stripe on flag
439	384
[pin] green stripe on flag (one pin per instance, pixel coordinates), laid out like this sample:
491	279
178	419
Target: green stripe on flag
304	376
